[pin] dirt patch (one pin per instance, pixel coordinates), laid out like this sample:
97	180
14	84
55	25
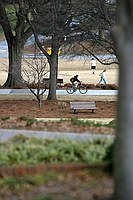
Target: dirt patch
16	109
54	109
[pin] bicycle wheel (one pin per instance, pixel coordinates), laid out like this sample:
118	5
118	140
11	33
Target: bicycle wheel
70	90
82	89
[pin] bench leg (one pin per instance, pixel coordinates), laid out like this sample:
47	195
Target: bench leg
74	111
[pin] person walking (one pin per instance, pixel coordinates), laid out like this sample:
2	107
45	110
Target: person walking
93	65
103	77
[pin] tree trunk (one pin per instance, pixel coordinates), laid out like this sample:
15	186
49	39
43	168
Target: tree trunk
124	137
53	77
15	50
123	38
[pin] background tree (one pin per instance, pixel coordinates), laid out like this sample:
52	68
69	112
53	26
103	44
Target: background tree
16	31
123	39
54	24
96	19
69	24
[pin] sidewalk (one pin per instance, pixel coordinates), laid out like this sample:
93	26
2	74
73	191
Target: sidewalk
60	92
6	134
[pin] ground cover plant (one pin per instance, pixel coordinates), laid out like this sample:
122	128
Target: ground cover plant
25	150
51	185
80	122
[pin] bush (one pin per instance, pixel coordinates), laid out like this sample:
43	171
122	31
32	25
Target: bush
5	118
25	150
108	158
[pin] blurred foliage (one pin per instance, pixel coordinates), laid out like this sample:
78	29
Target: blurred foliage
26	150
79	122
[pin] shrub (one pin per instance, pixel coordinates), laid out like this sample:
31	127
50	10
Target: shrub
5	118
108	158
25	150
30	122
24	118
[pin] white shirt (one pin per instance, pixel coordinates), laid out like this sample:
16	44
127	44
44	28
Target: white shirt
104	75
93	62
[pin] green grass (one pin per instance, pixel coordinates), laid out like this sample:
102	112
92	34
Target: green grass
29	121
79	122
24	118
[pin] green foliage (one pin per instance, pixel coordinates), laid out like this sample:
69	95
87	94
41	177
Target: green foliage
30	122
24	118
19	139
11	13
18	182
109	158
78	122
24	150
5	118
113	123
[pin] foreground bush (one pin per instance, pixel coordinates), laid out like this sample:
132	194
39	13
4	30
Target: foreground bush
24	150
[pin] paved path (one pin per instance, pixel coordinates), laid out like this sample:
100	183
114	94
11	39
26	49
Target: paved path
6	134
60	92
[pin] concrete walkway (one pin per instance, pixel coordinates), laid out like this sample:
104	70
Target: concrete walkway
60	92
6	134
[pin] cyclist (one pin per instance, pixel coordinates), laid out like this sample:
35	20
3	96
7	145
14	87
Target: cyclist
75	82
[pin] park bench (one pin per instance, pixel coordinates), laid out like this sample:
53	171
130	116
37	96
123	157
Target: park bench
46	81
59	80
83	106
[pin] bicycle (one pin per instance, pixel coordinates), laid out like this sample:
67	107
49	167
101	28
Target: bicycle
71	89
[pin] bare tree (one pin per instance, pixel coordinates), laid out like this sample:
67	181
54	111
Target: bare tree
123	39
56	23
96	19
33	72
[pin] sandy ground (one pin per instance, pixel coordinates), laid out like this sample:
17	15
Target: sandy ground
68	69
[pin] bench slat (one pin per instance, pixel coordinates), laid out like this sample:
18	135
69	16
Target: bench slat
84	107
